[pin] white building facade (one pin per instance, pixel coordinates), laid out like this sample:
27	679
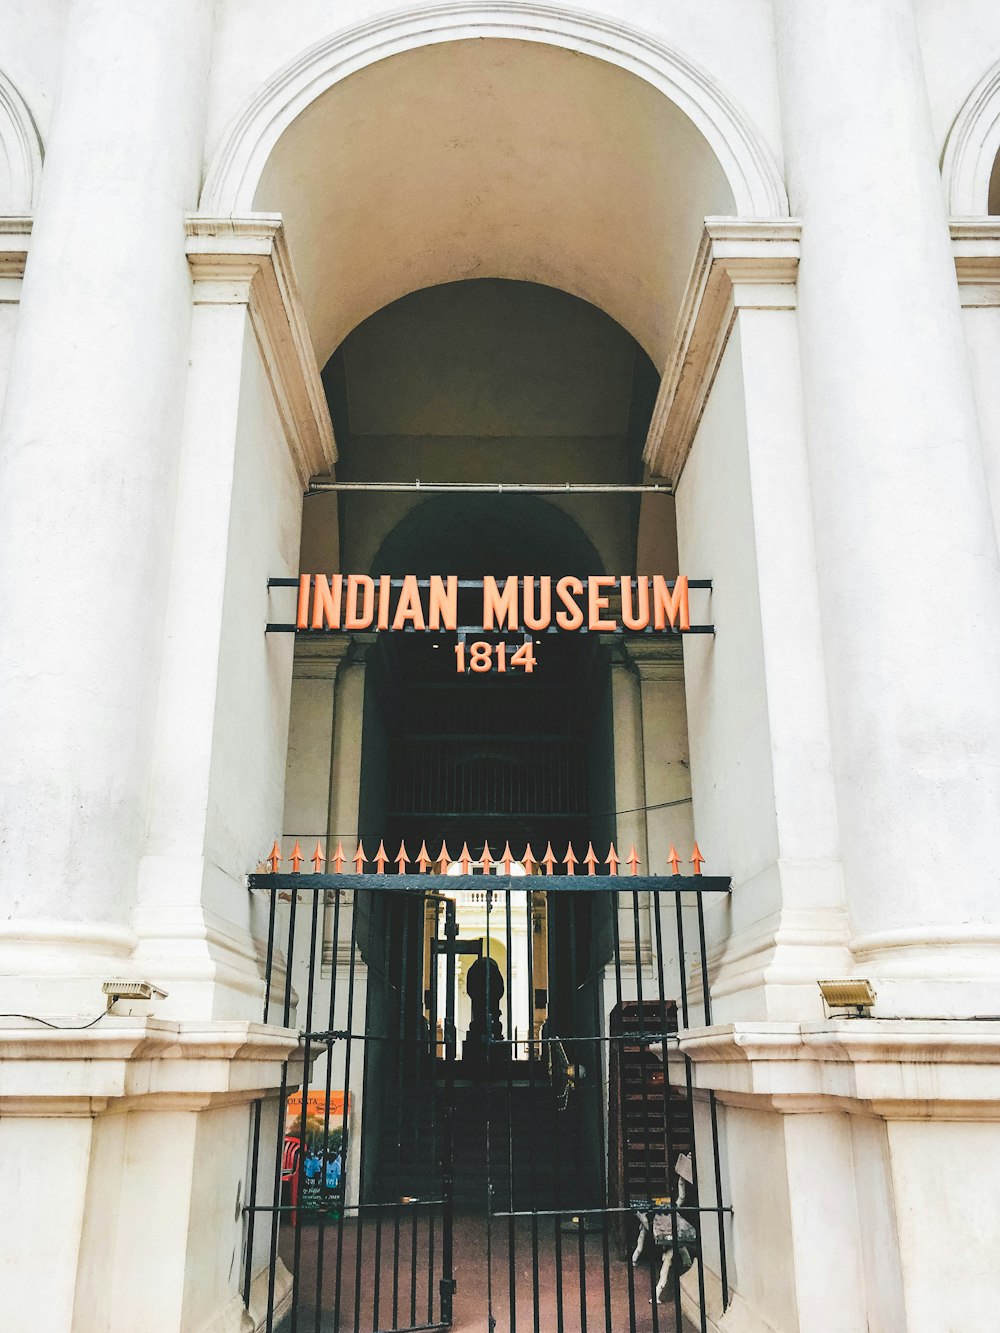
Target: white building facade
788	207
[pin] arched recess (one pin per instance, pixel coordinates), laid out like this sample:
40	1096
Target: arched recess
20	152
969	163
232	178
678	112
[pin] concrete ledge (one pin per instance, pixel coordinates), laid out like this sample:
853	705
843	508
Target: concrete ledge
900	1069
122	1062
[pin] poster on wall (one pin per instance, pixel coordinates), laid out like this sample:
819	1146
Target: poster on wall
314	1153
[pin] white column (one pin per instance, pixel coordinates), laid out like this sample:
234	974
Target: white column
88	444
907	555
345	768
659	665
630	782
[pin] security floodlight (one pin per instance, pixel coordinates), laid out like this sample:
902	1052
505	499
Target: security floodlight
120	989
848	993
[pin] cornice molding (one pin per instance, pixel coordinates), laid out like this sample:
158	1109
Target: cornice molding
740	264
143	1063
656	658
15	233
245	261
900	1069
319	659
975	244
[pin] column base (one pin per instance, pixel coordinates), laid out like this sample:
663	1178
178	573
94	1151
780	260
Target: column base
948	972
53	968
123	1167
855	1154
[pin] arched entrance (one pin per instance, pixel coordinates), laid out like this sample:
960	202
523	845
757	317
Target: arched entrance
487	311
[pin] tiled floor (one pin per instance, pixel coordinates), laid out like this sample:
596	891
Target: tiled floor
384	1293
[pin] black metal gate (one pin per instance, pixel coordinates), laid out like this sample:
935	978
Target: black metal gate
521	1143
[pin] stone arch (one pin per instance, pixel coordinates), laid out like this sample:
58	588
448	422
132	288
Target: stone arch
20	152
746	160
969	161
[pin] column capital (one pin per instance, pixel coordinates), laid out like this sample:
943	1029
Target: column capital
656	658
245	261
744	264
319	659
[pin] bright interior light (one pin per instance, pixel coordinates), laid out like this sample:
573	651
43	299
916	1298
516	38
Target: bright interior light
454	868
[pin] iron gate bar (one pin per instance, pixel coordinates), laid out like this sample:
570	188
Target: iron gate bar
677	884
288	887
320	486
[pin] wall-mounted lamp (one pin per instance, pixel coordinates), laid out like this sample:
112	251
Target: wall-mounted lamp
119	989
851	993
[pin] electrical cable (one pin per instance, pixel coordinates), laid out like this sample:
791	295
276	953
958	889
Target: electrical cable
59	1027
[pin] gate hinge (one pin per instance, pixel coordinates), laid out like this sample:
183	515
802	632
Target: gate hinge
447	1286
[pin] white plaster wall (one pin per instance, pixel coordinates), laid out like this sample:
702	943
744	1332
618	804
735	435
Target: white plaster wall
33	48
163	1227
947	1237
43	1171
761	1266
310	747
959	42
876	1207
8	328
255	670
731	774
982	337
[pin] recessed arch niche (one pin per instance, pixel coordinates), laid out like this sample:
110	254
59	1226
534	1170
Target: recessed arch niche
493	158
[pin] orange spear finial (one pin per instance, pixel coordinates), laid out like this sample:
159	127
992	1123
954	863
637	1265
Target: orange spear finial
423	860
530	861
318	859
381	858
402	858
633	859
613	860
444	860
674	860
697	859
570	859
507	859
549	860
590	860
487	858
360	858
338	859
297	857
465	860
274	857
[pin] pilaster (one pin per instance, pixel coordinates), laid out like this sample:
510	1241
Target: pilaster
255	428
729	432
